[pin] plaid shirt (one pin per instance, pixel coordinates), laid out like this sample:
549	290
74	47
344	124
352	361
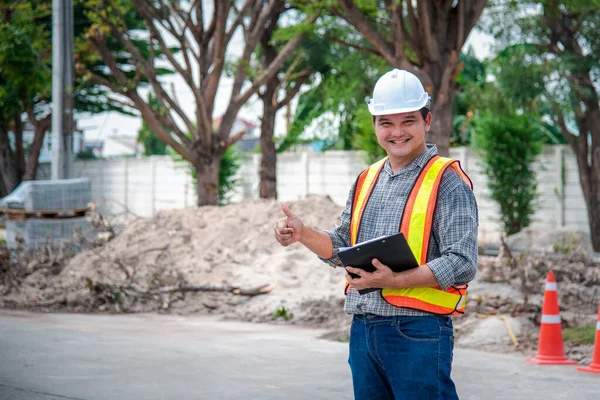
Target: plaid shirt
452	255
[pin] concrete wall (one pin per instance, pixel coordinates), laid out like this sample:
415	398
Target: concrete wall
144	186
140	186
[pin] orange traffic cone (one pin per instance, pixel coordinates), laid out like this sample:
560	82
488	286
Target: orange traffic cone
550	348
594	367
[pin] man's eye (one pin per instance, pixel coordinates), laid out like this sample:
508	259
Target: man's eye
408	122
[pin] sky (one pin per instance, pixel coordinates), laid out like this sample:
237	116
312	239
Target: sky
100	126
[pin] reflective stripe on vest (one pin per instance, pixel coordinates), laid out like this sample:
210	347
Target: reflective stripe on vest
416	224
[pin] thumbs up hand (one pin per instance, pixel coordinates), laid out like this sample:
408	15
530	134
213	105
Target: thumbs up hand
289	229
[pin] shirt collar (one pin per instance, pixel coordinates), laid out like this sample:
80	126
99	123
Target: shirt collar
419	162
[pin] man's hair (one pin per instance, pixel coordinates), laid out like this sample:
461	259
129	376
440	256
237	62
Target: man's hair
424	111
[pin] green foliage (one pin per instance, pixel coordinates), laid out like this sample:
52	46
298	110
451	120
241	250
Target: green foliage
86	155
509	145
514	87
23	48
533	67
580	334
282	312
551	49
229	166
335	107
152	144
365	138
567	244
471	86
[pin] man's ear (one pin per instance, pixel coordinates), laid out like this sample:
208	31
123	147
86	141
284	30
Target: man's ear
428	122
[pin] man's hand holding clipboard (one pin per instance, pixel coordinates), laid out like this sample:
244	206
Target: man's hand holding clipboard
372	265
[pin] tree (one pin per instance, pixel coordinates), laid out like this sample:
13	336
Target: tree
557	44
509	144
497	96
202	34
23	47
425	38
289	79
344	76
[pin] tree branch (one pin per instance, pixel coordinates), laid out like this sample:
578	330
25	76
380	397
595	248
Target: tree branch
474	12
352	45
155	124
460	35
292	92
427	40
236	137
414	29
239	19
98	39
572	140
271	70
218	49
395	9
356	18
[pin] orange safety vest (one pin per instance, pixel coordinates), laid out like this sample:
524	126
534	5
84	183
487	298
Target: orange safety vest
416	223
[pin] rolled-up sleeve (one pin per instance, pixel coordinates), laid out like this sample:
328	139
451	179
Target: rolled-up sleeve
340	235
455	226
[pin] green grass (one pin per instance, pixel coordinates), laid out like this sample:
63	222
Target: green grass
580	334
282	312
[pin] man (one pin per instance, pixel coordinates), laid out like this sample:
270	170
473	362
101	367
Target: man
401	339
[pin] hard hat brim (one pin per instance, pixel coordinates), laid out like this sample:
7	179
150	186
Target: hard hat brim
394	111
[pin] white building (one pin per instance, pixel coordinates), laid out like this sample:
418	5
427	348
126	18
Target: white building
46	150
121	146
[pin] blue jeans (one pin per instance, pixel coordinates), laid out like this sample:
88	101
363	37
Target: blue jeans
401	358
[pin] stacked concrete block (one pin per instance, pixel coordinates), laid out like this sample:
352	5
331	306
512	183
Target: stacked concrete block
65	194
42	212
33	234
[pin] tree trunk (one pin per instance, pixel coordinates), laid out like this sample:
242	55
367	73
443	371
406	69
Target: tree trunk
439	80
585	104
3	191
207	178
594	217
36	146
441	126
19	148
589	164
8	166
268	161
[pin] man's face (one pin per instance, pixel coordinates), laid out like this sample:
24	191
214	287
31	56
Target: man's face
402	136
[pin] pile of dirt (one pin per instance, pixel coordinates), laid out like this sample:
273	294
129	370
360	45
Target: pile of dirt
210	247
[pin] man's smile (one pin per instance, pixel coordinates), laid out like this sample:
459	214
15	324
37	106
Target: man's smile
398	141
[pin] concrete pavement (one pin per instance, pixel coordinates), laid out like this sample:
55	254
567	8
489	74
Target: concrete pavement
89	357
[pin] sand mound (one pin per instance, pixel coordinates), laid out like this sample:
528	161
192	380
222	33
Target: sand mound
231	245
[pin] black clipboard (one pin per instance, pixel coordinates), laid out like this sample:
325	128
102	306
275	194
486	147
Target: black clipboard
392	250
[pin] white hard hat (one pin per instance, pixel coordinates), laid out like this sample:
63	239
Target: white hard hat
398	91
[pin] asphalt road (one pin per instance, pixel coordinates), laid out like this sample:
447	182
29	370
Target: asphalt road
99	357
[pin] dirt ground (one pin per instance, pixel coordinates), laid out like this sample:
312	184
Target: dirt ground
225	261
